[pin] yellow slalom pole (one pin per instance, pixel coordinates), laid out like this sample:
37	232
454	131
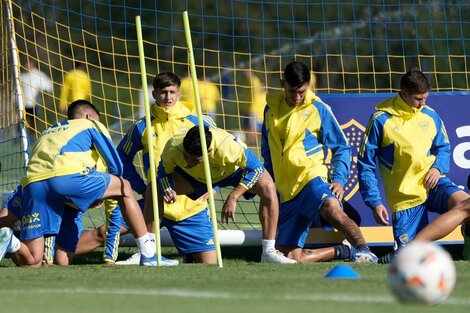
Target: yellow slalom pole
149	139
207	172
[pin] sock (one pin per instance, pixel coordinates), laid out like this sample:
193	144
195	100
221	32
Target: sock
15	245
268	245
342	252
152	237
386	259
146	247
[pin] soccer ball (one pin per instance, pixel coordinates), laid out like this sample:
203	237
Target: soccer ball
421	272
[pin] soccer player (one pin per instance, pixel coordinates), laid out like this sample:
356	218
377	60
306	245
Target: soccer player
231	164
170	117
61	170
106	235
76	85
208	92
407	140
297	127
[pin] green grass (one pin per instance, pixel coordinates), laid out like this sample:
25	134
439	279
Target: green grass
242	285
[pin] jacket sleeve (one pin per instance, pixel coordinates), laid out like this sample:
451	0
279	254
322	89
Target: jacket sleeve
105	147
252	171
441	148
333	138
265	151
127	149
367	166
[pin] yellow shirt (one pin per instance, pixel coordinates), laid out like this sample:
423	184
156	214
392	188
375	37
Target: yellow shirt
76	86
208	92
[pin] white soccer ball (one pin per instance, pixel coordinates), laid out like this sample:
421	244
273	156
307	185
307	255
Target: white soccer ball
422	272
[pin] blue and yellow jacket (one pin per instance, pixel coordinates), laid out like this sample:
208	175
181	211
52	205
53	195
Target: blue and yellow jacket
311	127
406	142
166	123
70	147
227	154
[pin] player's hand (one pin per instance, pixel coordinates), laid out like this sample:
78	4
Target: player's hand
228	210
431	178
169	196
205	196
381	215
337	190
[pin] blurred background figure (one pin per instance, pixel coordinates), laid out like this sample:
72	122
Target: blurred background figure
251	96
313	82
34	82
76	85
208	92
141	110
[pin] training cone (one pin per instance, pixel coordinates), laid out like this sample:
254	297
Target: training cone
342	272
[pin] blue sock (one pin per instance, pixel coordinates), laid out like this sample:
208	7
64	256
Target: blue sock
342	252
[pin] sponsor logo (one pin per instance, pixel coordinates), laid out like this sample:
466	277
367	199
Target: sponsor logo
29	219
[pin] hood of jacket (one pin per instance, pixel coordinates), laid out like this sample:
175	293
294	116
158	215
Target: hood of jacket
396	106
277	98
179	110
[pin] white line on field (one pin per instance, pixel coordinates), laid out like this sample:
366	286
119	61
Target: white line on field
185	293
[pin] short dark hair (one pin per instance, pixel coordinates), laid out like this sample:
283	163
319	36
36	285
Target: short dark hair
75	108
415	81
192	141
296	74
166	79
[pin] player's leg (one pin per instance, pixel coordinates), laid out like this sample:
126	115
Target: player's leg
30	253
457	204
7	218
406	224
269	205
91	239
293	227
120	190
69	235
41	215
268	216
332	212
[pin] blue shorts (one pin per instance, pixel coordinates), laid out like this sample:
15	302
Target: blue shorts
201	188
296	216
69	233
193	234
71	228
43	201
408	223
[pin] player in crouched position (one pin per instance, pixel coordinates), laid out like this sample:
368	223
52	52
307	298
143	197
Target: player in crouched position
297	127
61	170
187	220
407	140
231	164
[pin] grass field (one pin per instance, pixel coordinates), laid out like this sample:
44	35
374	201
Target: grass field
242	285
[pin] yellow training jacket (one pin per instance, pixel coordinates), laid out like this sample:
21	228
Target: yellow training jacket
406	142
310	128
70	147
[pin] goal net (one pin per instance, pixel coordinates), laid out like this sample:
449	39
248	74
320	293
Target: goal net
240	50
